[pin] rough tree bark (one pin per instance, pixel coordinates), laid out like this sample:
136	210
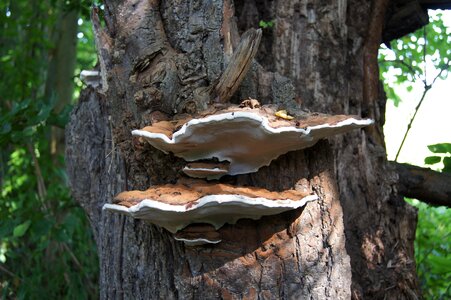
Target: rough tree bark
160	58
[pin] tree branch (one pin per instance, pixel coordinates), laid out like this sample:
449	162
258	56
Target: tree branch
371	68
427	87
428	186
403	63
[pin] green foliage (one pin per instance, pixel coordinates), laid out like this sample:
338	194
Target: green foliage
442	155
424	56
433	236
86	59
266	24
420	56
45	241
46	247
433	250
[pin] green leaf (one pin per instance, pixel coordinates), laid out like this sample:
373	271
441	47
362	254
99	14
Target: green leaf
447	165
6	227
391	95
266	24
21	229
60	120
6	128
430	160
440	148
29	131
440	264
5	58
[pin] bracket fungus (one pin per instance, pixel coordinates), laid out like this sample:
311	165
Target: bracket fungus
198	234
175	206
206	170
245	138
196	241
91	77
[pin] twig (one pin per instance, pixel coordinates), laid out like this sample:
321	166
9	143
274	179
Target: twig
401	62
42	190
72	255
427	87
5	270
77	263
424	55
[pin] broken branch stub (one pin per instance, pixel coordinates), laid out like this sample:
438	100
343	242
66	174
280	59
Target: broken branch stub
239	64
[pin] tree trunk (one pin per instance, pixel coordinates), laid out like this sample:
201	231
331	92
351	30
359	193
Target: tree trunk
160	58
61	67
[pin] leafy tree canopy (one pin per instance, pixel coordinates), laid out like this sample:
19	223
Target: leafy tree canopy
424	56
46	248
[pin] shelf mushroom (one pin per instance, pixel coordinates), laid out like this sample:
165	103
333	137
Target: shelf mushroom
206	170
175	206
243	138
198	234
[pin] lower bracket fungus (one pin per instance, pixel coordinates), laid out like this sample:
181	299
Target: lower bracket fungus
175	206
246	138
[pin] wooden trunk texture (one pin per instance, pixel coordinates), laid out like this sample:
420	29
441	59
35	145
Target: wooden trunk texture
160	58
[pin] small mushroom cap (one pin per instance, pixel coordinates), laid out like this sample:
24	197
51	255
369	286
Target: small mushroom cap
91	77
176	206
197	241
206	170
198	234
247	138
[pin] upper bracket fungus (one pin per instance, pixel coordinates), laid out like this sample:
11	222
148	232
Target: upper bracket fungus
245	138
174	206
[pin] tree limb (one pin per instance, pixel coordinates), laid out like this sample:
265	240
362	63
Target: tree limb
427	88
371	68
428	186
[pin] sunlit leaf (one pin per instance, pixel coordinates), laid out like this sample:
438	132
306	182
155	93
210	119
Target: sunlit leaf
441	264
447	165
430	160
21	229
440	148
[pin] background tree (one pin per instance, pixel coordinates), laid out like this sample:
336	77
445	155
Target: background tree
419	60
46	250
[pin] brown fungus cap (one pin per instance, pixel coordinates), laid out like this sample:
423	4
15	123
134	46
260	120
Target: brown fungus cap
244	138
174	206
